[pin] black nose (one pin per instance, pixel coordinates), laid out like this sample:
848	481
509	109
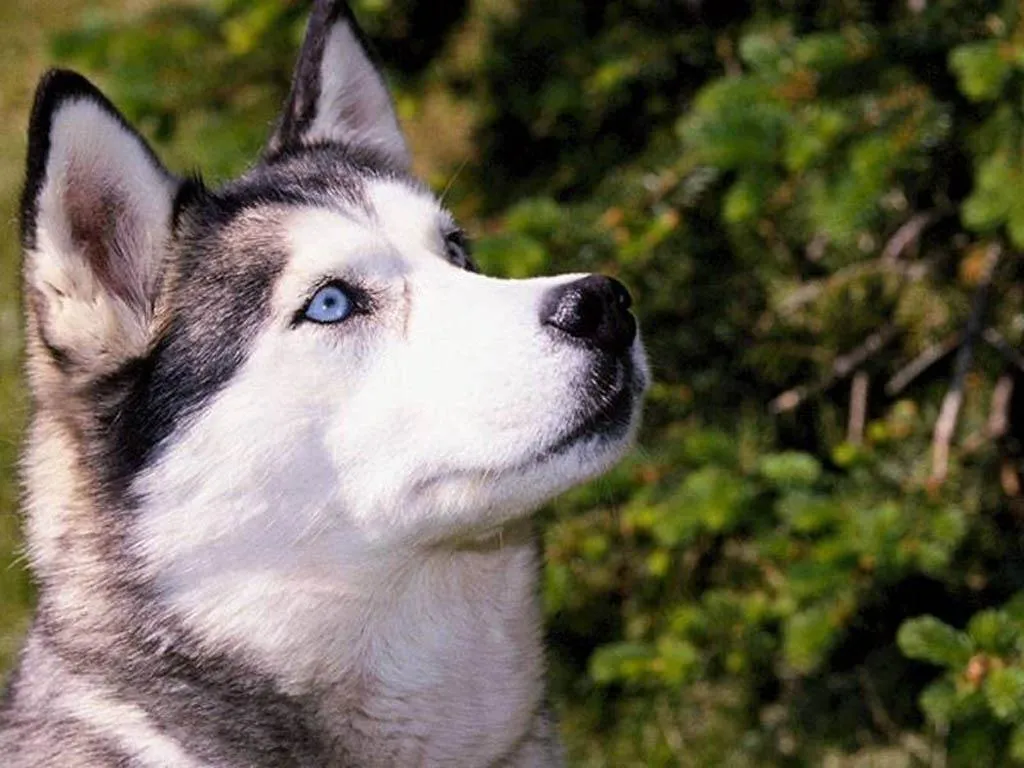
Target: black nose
594	309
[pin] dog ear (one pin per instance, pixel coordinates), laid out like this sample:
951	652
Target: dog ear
338	94
95	219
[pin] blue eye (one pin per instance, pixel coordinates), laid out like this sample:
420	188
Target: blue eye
329	305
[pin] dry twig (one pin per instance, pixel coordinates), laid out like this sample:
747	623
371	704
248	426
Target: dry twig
999	409
903	238
998	416
931	355
995	339
881	719
945	425
908	234
858	408
843	366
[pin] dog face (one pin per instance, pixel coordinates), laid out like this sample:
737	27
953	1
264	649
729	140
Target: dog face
302	368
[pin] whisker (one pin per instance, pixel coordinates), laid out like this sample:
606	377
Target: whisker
451	181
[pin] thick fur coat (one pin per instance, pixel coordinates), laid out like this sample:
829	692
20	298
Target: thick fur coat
285	445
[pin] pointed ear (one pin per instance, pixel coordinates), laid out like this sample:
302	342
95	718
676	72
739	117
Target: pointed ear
95	220
338	94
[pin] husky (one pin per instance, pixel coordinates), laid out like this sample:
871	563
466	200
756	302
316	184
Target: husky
285	446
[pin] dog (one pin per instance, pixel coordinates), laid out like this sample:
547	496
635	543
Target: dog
285	445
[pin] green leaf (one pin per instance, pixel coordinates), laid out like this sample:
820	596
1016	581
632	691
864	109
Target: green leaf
711	446
928	639
807	512
808	635
714	496
746	198
735	122
761	49
671	524
980	69
538	217
1015	222
510	255
993	196
822	52
814	137
993	631
938	701
1004	692
621	662
847	454
1017	743
1014	608
676	660
790	469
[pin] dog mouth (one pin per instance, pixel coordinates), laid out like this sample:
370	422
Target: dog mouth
610	413
602	420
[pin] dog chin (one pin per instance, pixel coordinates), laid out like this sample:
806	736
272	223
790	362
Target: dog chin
587	454
583	452
596	439
605	423
476	501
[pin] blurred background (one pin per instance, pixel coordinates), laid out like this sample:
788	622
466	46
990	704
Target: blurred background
816	555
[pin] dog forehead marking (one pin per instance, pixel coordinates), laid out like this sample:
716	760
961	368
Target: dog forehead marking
321	243
399	227
407	212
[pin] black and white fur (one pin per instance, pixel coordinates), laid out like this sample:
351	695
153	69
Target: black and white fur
262	541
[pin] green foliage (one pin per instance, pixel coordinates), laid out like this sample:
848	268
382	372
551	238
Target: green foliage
930	640
981	69
765	582
983	680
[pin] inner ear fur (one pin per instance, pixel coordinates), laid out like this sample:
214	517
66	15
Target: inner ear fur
95	222
338	93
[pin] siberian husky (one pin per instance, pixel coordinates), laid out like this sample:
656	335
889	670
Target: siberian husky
285	445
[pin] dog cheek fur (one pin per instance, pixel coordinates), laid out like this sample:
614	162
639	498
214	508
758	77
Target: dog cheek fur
311	599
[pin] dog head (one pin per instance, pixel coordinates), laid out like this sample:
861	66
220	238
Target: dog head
303	363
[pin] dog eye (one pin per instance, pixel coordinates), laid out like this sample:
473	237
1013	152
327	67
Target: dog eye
457	246
329	305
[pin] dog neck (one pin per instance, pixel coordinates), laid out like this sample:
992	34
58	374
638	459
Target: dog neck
444	639
430	652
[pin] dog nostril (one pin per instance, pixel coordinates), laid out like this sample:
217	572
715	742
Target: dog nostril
594	310
578	313
622	297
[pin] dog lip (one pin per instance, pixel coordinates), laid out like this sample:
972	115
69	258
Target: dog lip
610	421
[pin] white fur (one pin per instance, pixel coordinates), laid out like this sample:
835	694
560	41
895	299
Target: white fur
91	150
347	511
354	106
88	701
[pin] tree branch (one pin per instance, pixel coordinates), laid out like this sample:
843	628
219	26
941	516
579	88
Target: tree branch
843	366
995	339
858	408
908	233
945	425
925	360
903	238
